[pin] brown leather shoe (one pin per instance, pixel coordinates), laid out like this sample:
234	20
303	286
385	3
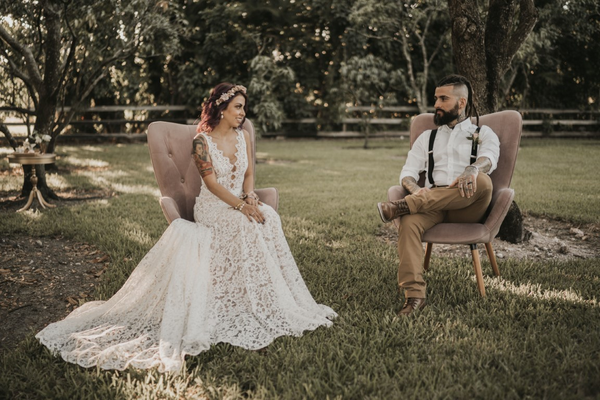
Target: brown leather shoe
391	210
410	305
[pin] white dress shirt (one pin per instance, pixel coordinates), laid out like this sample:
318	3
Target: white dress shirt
451	152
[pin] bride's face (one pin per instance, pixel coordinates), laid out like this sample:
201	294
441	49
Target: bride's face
234	114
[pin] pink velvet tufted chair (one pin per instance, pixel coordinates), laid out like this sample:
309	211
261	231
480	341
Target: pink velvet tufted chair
508	126
179	181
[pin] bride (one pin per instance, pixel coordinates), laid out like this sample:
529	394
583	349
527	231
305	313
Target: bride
227	277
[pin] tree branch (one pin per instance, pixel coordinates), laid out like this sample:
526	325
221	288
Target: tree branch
4	129
527	20
437	48
72	49
31	64
409	66
17	109
14	68
66	120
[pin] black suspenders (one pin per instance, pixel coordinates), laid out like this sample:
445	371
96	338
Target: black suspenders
430	164
430	152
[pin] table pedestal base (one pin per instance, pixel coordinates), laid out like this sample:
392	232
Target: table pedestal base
33	160
35	193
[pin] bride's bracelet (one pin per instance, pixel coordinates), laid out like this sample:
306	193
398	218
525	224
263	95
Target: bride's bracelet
240	206
251	195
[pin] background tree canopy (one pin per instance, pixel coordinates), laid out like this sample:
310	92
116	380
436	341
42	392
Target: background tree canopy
299	58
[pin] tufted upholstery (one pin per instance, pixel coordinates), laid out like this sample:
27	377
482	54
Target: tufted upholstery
507	125
170	146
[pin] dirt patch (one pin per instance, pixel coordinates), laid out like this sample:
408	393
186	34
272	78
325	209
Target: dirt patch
42	280
550	239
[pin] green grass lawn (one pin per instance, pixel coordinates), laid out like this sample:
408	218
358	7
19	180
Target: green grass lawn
535	335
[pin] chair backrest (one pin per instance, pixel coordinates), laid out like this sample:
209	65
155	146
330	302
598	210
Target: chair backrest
170	147
506	124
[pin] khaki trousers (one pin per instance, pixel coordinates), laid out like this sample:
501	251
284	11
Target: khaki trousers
426	210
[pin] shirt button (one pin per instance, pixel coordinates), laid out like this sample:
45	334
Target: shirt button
170	155
182	180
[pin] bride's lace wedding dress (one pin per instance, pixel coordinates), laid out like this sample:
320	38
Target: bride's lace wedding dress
219	279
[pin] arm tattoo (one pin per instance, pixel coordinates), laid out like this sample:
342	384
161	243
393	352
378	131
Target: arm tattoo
410	184
483	164
201	157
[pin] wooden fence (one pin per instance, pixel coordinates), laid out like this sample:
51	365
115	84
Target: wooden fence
387	121
536	122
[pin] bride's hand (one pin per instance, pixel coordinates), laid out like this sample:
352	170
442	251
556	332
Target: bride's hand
253	202
252	199
252	212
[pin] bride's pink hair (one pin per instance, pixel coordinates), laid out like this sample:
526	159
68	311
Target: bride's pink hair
211	112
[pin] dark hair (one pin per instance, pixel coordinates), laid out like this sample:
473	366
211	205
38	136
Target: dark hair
211	112
457	80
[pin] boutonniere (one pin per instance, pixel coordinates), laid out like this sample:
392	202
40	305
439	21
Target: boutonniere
475	138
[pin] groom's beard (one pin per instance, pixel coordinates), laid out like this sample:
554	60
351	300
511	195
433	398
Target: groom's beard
446	116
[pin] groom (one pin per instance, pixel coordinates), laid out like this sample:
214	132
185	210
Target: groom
458	156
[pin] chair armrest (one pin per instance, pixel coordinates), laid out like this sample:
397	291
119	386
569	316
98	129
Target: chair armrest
397	192
498	209
268	196
169	208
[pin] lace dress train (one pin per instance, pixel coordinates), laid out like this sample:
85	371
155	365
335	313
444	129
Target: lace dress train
219	279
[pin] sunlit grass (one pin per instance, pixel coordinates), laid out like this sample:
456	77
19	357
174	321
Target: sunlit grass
554	178
537	291
535	335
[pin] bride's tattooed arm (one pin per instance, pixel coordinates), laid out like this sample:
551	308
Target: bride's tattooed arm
201	157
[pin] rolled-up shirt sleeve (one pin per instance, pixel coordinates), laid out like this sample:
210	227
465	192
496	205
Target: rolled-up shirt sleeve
416	160
489	147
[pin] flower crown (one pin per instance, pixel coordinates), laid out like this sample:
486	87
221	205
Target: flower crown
230	93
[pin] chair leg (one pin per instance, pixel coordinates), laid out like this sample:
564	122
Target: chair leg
477	266
492	258
428	248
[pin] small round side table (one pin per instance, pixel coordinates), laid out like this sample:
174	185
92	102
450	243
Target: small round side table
33	159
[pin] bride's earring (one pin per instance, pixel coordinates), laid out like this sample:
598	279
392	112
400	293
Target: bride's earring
222	115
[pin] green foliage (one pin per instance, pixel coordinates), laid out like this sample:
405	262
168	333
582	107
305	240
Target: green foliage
366	79
174	52
557	66
411	34
535	335
56	53
267	86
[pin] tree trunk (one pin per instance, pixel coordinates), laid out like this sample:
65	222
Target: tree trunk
468	45
48	91
366	128
512	229
483	53
483	50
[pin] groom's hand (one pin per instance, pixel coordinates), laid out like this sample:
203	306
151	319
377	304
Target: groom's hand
466	182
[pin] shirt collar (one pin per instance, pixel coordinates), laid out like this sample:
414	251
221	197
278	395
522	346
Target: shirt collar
463	126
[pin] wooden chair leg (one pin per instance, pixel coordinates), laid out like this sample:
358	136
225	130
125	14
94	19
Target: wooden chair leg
428	248
477	266
492	258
